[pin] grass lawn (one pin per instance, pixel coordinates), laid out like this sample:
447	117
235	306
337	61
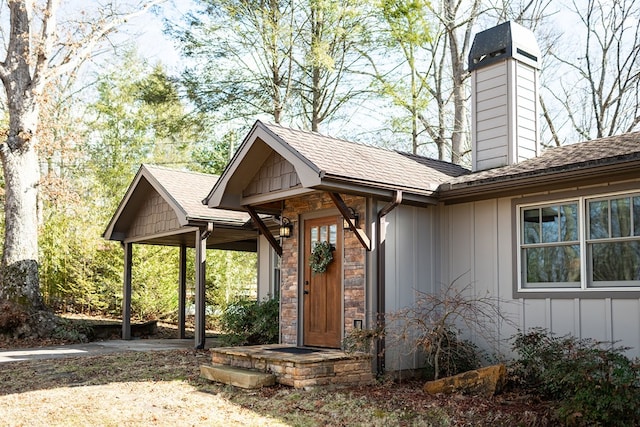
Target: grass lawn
163	388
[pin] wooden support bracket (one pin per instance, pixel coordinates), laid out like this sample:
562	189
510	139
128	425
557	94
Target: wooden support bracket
344	211
264	230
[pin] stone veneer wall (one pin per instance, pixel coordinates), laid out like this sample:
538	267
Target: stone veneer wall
353	266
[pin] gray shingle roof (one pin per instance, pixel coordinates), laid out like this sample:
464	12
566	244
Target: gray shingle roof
338	162
341	159
188	189
589	154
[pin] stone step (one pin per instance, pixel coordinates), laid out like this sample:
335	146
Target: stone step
238	377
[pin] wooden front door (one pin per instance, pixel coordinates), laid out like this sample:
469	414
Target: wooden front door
322	292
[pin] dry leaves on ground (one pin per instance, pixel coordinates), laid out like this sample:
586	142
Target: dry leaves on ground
164	388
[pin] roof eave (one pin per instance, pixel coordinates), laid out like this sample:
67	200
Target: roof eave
579	174
219	222
376	189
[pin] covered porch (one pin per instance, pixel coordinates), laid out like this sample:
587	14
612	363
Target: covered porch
342	196
164	207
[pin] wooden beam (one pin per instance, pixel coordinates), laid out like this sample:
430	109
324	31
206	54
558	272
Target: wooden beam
126	291
344	211
264	230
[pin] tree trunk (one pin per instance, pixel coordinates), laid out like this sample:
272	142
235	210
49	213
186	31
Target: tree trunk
20	281
19	269
458	140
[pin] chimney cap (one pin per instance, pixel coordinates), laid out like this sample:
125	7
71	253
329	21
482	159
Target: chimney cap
507	40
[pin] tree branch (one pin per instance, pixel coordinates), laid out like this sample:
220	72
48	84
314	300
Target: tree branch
108	25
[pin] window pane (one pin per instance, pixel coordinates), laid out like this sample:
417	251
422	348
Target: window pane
620	218
569	223
616	261
550	226
555	264
323	234
636	216
314	234
531	226
599	219
333	234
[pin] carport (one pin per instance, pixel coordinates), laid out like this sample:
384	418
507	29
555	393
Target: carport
164	207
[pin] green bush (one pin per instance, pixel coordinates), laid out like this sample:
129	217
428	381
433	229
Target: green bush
593	383
250	322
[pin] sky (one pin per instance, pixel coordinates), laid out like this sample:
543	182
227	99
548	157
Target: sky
147	33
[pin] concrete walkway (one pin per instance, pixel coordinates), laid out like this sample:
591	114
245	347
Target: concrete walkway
95	349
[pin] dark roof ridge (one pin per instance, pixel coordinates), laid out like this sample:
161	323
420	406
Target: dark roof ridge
445	163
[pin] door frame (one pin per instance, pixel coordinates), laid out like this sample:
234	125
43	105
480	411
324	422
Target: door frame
320	213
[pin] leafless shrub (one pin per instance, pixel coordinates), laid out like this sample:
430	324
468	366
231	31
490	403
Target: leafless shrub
436	323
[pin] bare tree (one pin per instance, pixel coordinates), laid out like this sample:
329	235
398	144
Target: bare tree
37	50
429	41
446	121
446	118
601	92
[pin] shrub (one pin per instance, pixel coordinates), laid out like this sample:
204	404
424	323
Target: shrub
593	382
432	326
72	330
448	355
363	340
250	322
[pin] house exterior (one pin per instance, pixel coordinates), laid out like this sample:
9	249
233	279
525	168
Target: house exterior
554	235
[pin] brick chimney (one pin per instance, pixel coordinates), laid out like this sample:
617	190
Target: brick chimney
504	63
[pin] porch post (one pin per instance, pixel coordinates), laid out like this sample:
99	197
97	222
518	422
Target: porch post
126	292
201	261
182	291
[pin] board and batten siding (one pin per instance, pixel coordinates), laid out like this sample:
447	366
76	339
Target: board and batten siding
504	128
479	246
410	264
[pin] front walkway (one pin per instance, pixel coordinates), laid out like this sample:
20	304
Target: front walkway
95	349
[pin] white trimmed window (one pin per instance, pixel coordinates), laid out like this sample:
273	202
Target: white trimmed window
582	243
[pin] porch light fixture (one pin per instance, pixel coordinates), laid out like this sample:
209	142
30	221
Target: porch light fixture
286	227
353	215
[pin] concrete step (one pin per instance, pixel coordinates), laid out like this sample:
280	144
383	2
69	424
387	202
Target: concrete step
238	377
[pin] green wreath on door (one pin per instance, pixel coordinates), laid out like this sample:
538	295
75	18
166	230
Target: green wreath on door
321	256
